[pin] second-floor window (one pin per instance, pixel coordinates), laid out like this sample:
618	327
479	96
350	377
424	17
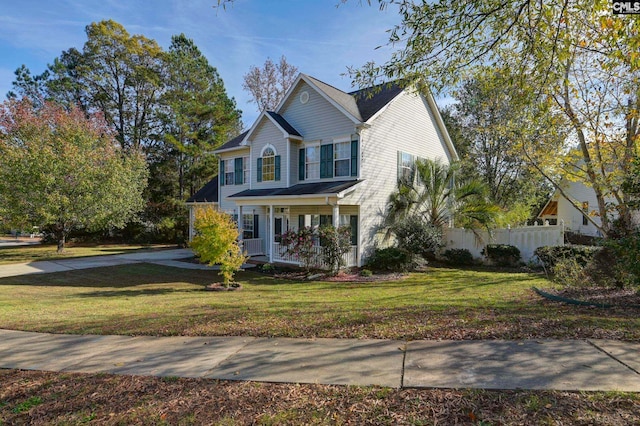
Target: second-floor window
234	171
339	159
406	167
312	162
228	172
268	165
342	159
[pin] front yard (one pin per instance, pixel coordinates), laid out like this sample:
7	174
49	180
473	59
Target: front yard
145	299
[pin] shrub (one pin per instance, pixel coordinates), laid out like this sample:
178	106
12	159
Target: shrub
216	242
626	252
418	237
392	259
550	255
335	244
502	254
366	273
299	245
458	257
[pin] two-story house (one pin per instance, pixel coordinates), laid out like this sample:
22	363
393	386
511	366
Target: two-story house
325	156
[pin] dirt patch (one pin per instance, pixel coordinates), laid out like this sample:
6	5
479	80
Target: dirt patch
223	287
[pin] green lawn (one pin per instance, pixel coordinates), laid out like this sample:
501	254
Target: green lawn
23	254
145	299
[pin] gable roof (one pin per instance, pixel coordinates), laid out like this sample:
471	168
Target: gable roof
345	100
284	124
372	99
206	194
233	143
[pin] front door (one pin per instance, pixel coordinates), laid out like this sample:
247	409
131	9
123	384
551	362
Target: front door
281	224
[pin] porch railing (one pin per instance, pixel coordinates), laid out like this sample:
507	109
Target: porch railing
253	246
279	255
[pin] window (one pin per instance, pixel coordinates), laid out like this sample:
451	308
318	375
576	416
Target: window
228	172
247	226
312	162
406	167
342	159
268	164
245	169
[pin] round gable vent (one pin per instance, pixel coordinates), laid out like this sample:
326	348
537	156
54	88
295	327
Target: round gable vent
304	97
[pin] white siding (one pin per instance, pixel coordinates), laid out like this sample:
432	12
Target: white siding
317	121
268	134
407	125
571	216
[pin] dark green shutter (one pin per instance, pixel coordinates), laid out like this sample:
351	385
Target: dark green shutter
326	161
300	222
237	171
353	221
354	158
399	166
325	220
301	163
256	221
259	170
277	167
221	174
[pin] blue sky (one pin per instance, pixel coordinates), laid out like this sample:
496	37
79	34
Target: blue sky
318	37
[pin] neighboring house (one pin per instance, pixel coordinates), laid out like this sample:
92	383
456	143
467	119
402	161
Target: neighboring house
325	156
207	196
559	210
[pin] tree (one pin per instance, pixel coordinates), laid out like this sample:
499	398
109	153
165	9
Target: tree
486	113
123	78
269	84
65	170
571	60
28	86
216	242
197	115
437	196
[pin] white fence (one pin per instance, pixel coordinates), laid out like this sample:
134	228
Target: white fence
279	255
527	239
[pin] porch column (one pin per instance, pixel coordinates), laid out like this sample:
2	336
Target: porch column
270	239
240	224
336	216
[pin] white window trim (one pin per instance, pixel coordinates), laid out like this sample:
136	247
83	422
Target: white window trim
315	144
267	146
347	158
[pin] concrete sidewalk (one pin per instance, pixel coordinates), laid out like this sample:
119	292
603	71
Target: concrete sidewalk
591	365
161	257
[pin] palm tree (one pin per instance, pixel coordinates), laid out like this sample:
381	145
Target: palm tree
437	197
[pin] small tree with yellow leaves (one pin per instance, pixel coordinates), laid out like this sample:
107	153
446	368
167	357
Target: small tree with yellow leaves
216	242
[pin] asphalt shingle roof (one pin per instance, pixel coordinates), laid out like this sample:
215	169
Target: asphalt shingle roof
372	99
206	194
235	142
315	188
284	124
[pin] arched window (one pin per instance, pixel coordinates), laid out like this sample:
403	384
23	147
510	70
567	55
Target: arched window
268	164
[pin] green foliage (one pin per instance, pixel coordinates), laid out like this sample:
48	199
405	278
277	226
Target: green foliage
366	273
391	259
626	256
502	254
550	255
437	195
418	237
335	244
28	404
299	245
216	242
458	257
63	169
